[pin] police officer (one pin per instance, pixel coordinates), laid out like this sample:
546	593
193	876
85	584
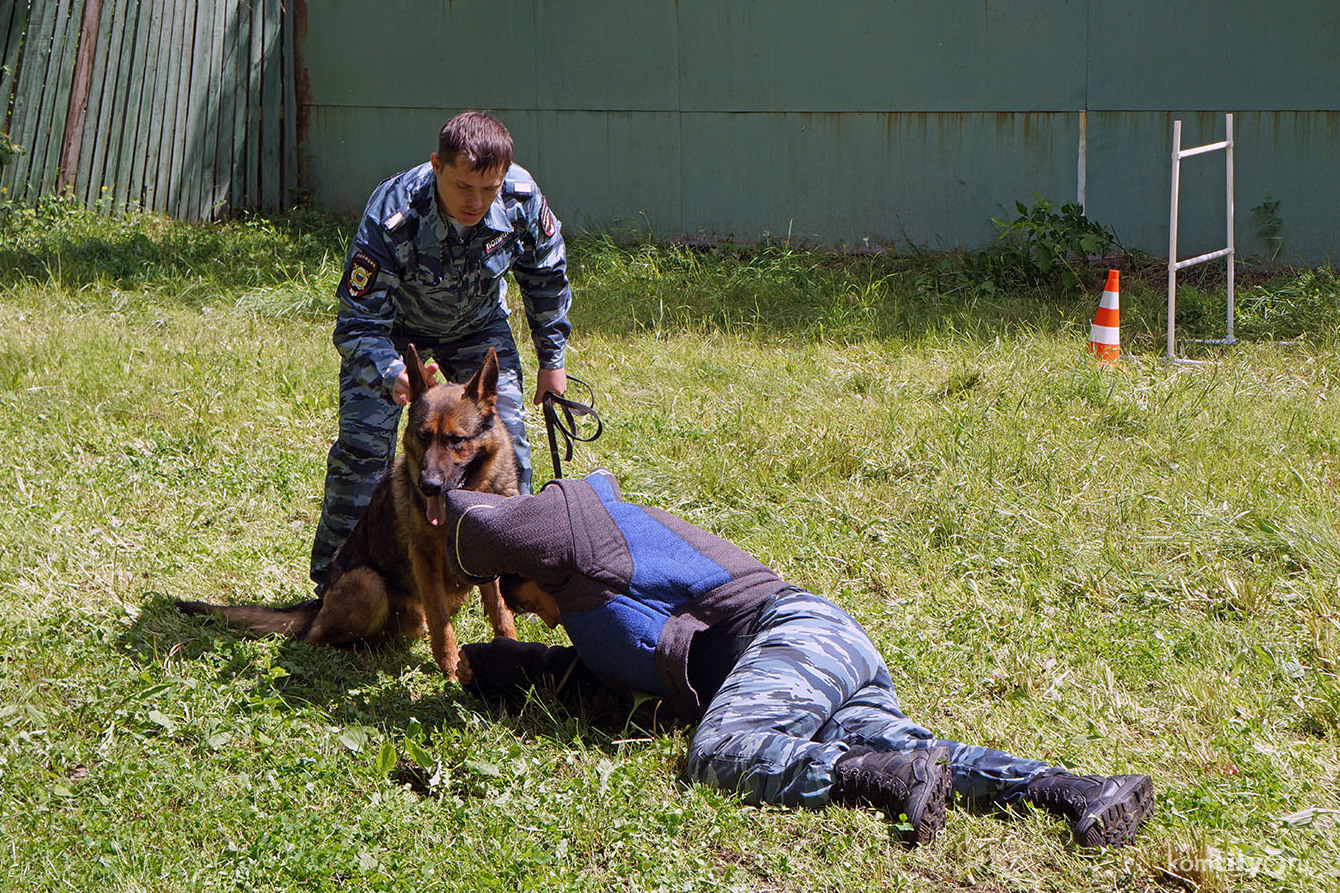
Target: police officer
426	267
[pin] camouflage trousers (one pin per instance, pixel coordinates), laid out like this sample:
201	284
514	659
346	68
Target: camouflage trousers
366	443
807	687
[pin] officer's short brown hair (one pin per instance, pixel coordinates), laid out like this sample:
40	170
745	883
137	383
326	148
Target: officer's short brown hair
477	141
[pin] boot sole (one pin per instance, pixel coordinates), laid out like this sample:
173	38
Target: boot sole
1117	812
925	807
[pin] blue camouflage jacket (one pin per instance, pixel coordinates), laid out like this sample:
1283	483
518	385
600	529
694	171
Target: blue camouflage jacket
634	584
409	276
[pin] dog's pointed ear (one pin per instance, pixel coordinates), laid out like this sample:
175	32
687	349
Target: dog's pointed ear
484	385
419	379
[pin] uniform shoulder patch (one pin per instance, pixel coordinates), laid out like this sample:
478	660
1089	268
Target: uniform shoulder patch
548	223
519	187
362	273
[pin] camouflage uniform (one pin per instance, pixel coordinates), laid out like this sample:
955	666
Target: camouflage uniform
807	687
410	278
784	682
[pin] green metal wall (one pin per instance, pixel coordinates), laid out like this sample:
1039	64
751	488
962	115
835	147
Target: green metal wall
889	120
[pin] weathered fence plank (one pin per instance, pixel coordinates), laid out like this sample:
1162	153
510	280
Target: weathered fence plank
110	38
289	171
219	199
150	124
272	104
90	149
119	187
241	128
187	108
257	33
28	97
115	135
174	25
83	77
196	111
13	21
56	93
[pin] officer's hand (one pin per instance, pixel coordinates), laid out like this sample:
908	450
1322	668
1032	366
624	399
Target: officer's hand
550	380
464	675
400	393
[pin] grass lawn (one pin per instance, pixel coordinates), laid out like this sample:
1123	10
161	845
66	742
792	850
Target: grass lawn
1131	570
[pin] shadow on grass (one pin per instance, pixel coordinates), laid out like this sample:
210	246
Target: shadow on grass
72	247
380	686
774	289
308	673
364	688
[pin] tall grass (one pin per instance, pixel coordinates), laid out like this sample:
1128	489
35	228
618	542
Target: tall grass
1118	570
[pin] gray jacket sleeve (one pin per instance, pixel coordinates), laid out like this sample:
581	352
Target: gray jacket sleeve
365	311
541	273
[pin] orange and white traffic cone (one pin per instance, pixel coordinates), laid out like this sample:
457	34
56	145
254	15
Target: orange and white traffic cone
1105	333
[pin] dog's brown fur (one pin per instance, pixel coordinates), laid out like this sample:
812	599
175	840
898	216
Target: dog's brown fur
391	577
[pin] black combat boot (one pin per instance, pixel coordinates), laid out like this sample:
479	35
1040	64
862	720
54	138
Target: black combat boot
1104	811
914	784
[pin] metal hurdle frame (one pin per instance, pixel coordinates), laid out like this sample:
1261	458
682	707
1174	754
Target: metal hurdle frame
1178	153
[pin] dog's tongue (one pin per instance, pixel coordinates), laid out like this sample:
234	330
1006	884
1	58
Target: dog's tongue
437	509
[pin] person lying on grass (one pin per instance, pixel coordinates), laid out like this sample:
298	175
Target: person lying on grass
794	704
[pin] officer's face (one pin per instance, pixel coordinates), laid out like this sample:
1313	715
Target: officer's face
465	194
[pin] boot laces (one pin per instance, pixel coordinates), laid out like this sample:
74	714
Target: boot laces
878	785
1063	794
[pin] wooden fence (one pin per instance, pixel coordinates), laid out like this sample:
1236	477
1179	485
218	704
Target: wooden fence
185	107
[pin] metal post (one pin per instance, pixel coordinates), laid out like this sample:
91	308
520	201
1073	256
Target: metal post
1232	257
1082	175
1229	251
1172	238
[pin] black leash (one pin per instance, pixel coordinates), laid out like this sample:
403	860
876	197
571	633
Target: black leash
560	419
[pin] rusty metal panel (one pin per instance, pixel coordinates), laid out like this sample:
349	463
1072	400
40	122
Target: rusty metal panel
627	176
907	178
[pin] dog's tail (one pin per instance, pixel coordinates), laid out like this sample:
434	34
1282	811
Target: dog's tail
293	620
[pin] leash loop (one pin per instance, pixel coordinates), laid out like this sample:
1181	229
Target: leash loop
560	420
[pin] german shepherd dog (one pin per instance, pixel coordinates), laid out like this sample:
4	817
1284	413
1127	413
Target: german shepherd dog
390	578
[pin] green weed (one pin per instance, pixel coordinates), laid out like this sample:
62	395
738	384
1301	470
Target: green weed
1047	242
